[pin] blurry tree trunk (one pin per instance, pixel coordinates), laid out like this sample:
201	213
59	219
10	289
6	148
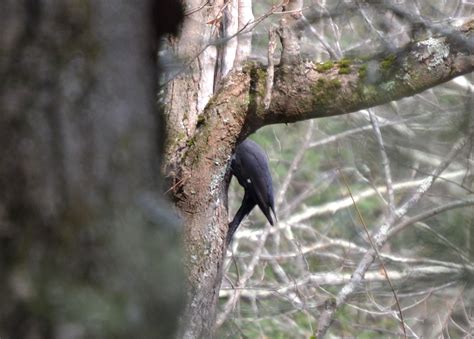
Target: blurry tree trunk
86	246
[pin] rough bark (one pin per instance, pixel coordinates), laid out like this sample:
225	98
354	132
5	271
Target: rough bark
202	198
308	90
83	240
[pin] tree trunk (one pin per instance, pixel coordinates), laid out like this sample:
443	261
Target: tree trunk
202	199
200	184
84	236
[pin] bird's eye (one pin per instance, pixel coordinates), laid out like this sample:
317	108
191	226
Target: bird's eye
249	181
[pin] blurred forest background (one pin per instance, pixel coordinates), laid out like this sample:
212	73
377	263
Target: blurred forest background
277	280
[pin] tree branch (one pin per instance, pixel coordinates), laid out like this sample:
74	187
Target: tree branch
431	272
309	90
385	162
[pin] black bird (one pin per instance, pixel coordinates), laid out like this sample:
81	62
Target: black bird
250	166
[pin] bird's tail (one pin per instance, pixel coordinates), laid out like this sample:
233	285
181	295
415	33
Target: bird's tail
274	215
270	214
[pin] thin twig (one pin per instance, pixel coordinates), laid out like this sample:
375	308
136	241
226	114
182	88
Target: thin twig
332	53
295	164
331	278
385	161
197	9
450	309
382	235
336	137
430	213
229	306
359	214
334	206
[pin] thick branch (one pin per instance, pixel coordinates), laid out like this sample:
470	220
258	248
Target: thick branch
309	90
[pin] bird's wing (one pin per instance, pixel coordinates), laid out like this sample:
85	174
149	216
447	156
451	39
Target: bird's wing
257	178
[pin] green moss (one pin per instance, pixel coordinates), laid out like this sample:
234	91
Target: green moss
388	62
180	137
249	66
363	71
388	86
369	91
190	142
344	66
344	63
325	66
262	78
261	73
344	70
201	120
258	77
324	91
335	83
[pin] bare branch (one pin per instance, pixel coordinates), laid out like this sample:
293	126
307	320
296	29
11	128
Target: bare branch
295	164
373	246
418	20
382	236
385	161
334	206
228	307
433	273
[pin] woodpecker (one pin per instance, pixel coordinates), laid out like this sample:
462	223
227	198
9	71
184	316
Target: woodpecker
249	165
